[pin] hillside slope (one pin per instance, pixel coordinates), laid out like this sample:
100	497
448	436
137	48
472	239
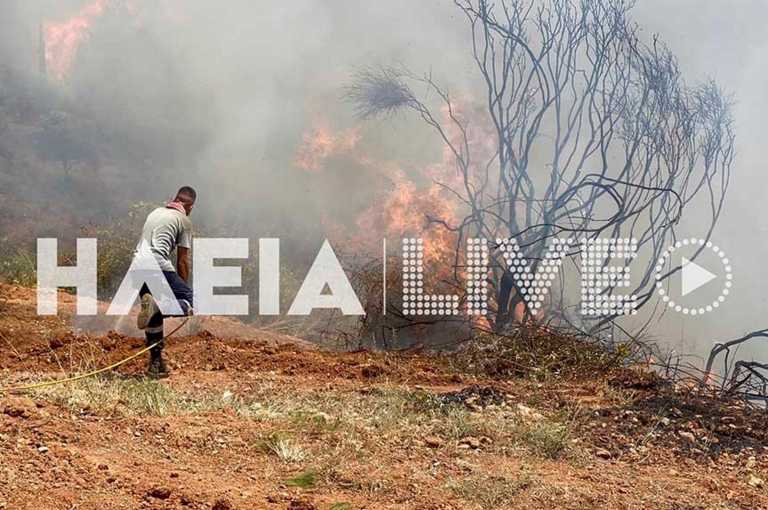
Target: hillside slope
268	422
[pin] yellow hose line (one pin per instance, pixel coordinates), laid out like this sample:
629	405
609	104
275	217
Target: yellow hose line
44	384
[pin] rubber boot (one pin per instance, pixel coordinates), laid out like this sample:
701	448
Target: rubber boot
154	334
157	368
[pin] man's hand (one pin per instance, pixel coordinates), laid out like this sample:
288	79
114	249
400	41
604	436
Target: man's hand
182	263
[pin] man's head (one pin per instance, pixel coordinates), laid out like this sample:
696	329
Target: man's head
186	195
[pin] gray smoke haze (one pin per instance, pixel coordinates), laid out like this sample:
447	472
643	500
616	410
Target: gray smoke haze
726	41
220	94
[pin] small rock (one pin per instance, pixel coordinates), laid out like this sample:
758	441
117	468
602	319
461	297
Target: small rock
529	413
687	436
222	504
20	408
301	505
159	493
42	449
665	421
433	441
472	442
755	482
603	453
371	371
466	466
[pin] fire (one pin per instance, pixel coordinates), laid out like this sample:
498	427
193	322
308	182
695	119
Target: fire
321	143
406	210
414	198
62	40
409	202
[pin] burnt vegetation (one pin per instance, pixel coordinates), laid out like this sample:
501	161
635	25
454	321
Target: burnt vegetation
595	133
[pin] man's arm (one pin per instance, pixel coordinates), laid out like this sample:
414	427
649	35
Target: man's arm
182	262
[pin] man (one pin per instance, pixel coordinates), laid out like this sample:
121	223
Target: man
166	229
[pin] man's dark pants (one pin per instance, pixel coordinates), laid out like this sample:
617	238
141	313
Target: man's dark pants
154	330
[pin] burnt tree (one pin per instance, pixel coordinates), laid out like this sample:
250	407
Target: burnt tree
594	134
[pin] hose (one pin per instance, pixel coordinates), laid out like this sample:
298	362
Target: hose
56	382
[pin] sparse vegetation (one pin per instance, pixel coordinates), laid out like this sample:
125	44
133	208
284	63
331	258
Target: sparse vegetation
490	492
541	353
546	438
386	416
285	449
305	480
411	434
133	396
18	267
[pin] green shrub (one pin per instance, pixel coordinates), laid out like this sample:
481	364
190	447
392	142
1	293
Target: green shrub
19	267
305	480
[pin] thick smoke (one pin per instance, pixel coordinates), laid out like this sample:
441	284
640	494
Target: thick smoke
221	95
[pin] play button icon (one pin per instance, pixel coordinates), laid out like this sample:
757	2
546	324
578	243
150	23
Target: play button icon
694	276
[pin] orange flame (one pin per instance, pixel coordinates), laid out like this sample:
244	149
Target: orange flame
63	39
401	212
406	200
404	212
321	143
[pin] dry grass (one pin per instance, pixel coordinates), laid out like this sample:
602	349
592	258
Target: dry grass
490	492
345	421
548	439
321	435
539	354
19	267
139	396
467	445
285	449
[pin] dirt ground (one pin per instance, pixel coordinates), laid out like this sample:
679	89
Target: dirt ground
250	419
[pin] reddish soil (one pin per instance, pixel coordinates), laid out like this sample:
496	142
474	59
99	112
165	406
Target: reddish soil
706	455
